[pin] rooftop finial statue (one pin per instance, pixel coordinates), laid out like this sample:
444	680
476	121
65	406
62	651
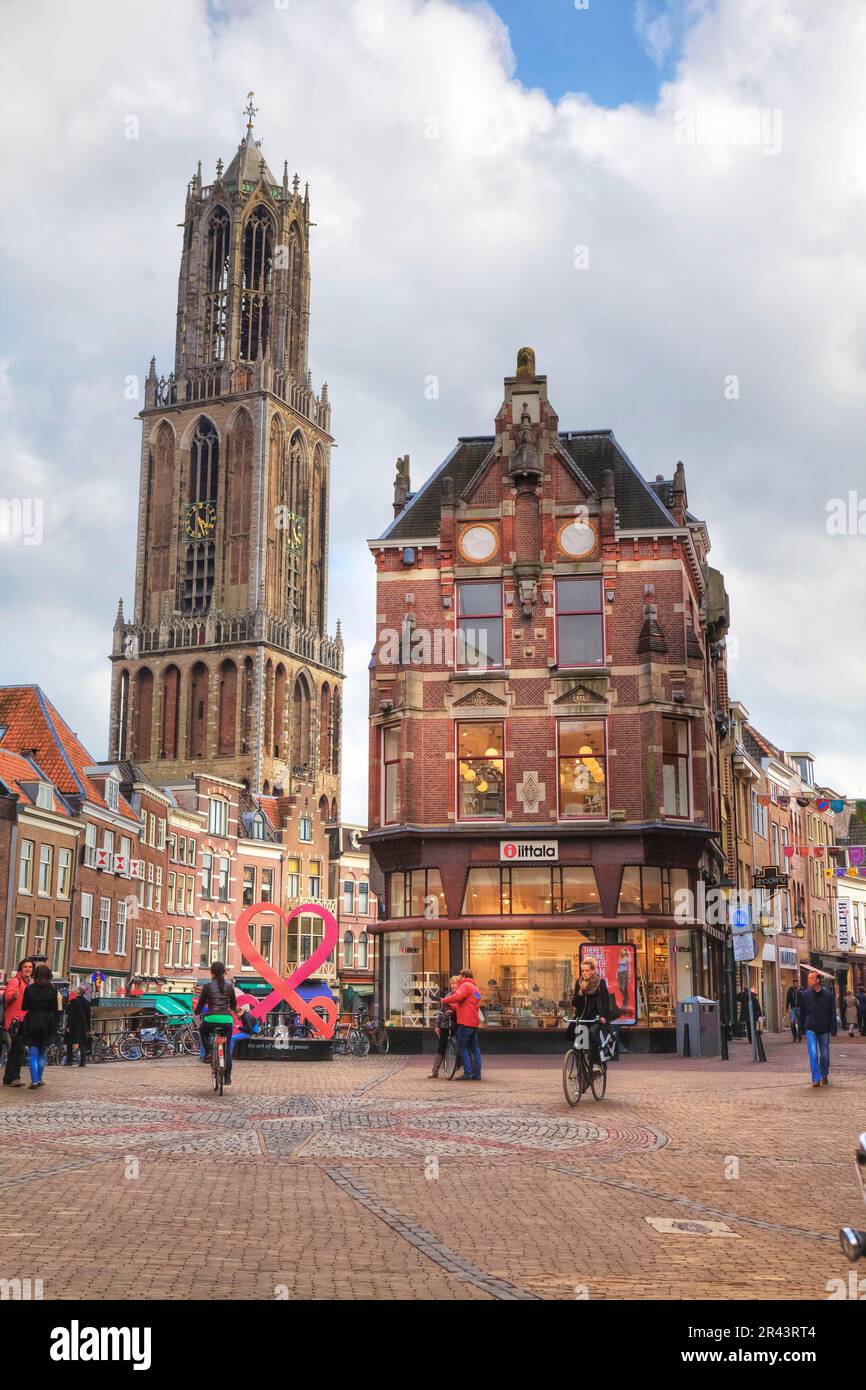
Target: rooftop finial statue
526	364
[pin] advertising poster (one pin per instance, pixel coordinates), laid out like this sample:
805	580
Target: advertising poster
617	966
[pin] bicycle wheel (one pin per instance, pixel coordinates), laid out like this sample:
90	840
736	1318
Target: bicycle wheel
217	1065
381	1039
155	1047
573	1083
359	1042
189	1042
129	1047
598	1080
452	1058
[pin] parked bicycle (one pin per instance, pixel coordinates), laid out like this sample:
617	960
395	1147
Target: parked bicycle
579	1072
376	1031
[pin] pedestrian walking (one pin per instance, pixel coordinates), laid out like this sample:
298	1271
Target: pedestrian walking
861	1010
818	1021
442	1028
40	1022
466	999
757	1011
78	1026
793	1006
851	1012
591	1003
13	1018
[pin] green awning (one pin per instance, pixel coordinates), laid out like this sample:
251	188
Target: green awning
169	1005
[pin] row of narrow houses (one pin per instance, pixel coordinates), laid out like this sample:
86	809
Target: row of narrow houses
556	764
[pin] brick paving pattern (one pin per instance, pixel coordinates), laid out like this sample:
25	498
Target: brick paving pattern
365	1179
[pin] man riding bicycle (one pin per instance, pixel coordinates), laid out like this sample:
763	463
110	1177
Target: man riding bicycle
219	998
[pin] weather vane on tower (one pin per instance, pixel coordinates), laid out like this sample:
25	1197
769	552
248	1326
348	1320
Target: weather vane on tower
250	110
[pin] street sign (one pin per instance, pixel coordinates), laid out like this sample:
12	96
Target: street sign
740	918
744	946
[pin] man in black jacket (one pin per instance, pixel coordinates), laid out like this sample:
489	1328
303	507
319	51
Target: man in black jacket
818	1022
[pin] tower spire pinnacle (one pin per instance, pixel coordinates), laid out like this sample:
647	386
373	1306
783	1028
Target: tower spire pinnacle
250	111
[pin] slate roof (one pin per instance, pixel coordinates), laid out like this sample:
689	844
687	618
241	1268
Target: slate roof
638	504
246	166
32	722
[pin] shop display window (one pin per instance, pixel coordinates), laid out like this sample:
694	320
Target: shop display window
416	893
538	891
648	889
415	975
526	978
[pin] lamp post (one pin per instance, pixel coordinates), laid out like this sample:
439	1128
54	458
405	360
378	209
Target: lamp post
726	884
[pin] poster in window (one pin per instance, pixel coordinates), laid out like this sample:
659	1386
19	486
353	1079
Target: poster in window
617	966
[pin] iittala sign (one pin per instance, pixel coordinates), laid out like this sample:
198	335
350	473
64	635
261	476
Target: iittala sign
528	851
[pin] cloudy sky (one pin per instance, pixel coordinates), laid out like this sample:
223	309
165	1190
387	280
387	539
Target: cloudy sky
708	156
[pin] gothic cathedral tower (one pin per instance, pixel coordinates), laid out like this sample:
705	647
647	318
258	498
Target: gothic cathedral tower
227	665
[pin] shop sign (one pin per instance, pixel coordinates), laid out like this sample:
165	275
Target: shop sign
843	924
529	851
788	959
744	946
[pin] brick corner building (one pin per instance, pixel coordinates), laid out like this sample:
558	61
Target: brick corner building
543	730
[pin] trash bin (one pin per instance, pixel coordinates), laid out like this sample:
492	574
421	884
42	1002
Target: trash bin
699	1027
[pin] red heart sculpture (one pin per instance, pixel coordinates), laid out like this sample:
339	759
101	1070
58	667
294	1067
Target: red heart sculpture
283	988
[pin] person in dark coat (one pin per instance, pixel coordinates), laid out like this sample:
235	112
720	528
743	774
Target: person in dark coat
818	1021
40	1022
591	1003
860	995
77	1027
792	1004
757	1011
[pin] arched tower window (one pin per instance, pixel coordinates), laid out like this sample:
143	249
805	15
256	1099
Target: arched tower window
198	702
301	709
216	285
143	716
256	284
325	729
295	306
201	516
279	711
122	709
170	712
227	709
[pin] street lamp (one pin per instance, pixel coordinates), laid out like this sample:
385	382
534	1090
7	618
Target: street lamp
800	928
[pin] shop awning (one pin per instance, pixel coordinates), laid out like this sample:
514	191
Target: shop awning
169	1005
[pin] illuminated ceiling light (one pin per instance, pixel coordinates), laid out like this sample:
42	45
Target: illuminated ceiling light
491	752
482	786
584	750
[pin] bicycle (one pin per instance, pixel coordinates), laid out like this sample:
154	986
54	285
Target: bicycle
376	1031
579	1074
452	1055
218	1060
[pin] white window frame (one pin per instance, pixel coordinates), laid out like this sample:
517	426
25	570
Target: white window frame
85	922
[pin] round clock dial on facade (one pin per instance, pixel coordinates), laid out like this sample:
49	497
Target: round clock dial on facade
478	543
577	539
200	520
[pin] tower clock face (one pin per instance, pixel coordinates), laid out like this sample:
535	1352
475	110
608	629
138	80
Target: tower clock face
200	520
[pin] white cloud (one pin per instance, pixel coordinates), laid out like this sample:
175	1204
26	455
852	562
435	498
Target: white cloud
442	256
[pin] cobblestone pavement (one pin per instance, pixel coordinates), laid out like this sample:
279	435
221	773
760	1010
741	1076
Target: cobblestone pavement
363	1178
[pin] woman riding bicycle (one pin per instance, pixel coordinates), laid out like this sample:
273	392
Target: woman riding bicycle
219	998
591	1003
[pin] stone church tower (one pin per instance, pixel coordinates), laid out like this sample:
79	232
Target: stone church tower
227	665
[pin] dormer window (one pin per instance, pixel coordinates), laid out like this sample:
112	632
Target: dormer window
45	796
258	827
111	793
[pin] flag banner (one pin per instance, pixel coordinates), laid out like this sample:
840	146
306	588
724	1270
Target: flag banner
856	854
837	806
818	851
821	804
788	851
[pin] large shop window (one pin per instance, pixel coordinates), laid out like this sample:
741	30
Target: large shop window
540	891
391	774
526	977
480	770
675	768
416	893
645	889
414	976
479	625
579	622
582	768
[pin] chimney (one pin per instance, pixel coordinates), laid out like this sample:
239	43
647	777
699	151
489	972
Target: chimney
679	497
